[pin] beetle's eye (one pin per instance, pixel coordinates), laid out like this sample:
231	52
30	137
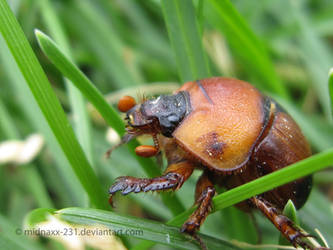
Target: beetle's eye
126	103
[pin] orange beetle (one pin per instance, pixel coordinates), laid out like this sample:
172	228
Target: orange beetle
227	128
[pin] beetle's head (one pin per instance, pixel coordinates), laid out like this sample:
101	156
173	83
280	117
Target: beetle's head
159	115
138	122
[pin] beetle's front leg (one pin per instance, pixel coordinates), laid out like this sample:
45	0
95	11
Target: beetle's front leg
204	194
173	178
287	228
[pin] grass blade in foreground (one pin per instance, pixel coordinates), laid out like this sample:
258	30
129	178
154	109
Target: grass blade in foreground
49	104
78	107
185	38
245	43
69	70
146	229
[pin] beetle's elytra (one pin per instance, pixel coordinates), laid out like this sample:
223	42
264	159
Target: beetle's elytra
231	131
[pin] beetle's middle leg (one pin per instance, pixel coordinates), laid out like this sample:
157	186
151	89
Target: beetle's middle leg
204	194
172	179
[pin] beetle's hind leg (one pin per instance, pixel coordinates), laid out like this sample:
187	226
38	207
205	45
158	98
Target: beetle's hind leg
204	194
172	179
287	228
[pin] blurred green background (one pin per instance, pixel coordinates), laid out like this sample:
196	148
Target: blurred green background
145	47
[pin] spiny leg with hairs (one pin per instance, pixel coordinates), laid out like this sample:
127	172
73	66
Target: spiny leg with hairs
172	179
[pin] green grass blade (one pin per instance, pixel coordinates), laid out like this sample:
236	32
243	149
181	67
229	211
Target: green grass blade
48	103
290	211
69	70
252	53
183	29
37	216
147	229
330	87
81	121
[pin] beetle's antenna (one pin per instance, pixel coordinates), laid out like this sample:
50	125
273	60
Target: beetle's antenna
204	91
158	156
156	142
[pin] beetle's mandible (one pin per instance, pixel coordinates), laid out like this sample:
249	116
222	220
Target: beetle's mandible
231	131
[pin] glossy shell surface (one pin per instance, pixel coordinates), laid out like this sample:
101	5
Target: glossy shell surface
226	119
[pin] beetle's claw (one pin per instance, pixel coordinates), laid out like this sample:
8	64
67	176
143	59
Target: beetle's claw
190	227
111	201
128	184
302	244
298	240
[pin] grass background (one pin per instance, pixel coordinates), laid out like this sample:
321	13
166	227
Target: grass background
102	47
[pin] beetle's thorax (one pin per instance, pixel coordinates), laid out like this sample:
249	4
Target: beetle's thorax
226	119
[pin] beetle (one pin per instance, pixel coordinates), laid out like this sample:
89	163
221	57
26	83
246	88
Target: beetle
231	131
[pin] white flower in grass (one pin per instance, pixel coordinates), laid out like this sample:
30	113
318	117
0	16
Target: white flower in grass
77	237
112	136
21	151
